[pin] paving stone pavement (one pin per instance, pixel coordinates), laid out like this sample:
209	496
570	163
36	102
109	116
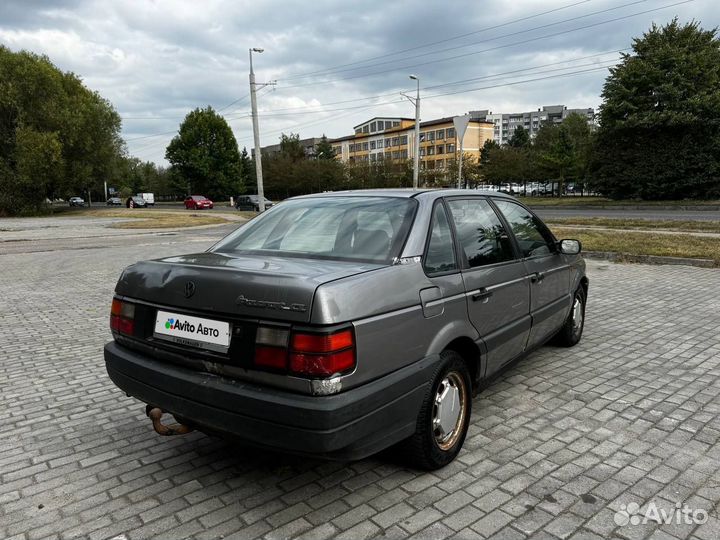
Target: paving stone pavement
559	442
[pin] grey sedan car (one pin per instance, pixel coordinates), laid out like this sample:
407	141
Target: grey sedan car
341	324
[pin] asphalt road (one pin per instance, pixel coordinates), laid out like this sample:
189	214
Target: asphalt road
650	214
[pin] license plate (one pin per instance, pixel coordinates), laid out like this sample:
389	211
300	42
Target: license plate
192	331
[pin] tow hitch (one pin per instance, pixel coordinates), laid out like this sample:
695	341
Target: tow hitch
155	414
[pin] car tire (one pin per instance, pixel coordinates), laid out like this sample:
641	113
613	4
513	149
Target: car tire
433	445
571	332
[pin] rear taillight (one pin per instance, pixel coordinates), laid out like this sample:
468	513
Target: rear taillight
308	354
122	317
322	355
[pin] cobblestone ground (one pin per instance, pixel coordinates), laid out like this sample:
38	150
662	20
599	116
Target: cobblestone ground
559	443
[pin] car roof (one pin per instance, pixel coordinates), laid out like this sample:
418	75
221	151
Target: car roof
407	193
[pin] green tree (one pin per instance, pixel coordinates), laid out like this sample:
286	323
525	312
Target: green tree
324	150
247	168
659	133
205	157
291	148
520	138
57	137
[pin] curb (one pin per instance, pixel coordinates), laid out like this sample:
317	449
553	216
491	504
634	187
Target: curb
615	256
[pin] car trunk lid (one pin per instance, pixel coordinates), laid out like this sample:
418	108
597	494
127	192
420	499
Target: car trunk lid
225	285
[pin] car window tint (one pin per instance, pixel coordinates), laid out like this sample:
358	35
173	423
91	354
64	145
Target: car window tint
480	232
532	237
440	256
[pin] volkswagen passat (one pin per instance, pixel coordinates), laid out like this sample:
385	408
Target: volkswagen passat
343	323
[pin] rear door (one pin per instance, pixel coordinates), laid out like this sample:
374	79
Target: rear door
495	279
549	272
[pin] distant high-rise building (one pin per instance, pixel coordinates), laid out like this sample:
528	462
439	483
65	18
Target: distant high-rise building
505	123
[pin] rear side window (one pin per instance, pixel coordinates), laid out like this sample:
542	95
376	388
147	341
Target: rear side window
532	236
371	229
440	256
480	232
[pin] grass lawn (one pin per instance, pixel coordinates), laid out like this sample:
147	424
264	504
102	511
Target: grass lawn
143	219
643	243
641	224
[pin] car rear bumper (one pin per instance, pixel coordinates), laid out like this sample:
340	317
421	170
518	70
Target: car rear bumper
350	425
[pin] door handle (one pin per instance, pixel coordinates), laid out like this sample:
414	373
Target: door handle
483	294
537	277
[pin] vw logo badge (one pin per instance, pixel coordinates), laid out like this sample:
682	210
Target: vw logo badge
189	289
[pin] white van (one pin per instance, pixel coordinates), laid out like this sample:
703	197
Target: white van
148	197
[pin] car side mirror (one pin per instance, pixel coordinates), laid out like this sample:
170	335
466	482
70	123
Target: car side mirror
570	247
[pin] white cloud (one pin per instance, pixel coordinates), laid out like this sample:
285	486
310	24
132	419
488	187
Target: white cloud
157	60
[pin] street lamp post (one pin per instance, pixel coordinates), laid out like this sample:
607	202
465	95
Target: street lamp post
416	157
256	134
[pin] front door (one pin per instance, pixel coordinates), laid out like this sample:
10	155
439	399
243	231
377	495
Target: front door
550	297
496	284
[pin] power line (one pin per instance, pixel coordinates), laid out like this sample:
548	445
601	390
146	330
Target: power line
524	71
464	55
524	31
453	38
477	89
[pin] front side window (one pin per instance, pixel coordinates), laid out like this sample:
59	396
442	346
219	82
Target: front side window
532	236
480	232
440	255
370	229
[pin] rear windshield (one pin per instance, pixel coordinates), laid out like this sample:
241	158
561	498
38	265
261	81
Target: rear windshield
369	229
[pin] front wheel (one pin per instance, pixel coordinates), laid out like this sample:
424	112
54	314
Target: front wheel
444	417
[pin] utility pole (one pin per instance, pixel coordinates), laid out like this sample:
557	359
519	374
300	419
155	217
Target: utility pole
416	156
256	131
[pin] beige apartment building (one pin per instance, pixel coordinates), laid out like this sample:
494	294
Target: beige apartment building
384	138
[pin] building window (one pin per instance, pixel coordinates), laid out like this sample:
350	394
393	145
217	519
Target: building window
379	156
352	148
372	145
431	151
395	124
431	164
422	152
366	129
388	143
440	134
422	137
440	149
396	155
365	146
404	154
396	141
357	131
431	136
388	124
450	148
373	127
450	133
403	139
387	155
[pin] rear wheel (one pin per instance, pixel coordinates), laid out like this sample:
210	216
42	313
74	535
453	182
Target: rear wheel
572	330
444	417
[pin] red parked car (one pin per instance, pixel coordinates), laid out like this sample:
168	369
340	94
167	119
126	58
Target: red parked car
197	202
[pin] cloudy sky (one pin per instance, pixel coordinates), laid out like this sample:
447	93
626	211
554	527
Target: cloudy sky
336	63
